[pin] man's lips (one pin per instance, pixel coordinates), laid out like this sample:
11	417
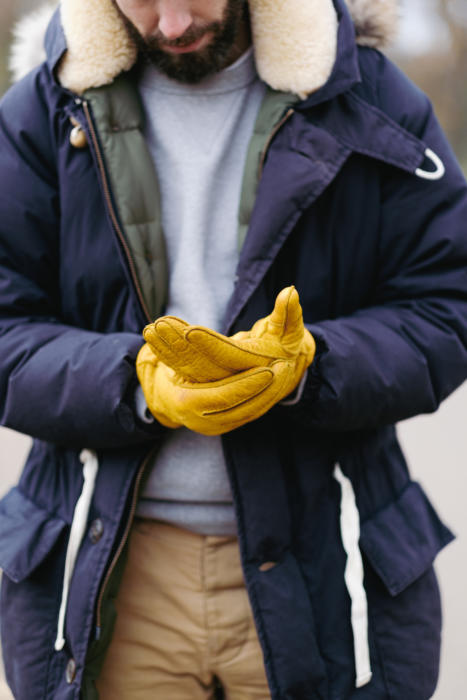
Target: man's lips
187	48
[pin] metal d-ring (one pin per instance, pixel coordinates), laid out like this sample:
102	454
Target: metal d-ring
432	174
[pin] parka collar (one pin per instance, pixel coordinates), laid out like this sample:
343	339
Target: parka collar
54	42
342	72
346	72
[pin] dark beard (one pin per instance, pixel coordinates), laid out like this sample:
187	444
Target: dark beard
194	66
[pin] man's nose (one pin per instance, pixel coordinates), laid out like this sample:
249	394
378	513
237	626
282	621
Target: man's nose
174	19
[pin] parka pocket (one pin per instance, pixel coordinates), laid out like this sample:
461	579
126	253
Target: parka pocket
400	543
28	534
31	556
402	540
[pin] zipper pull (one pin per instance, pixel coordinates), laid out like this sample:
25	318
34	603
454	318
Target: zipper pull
78	138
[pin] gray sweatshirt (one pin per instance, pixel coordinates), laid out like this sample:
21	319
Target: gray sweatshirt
198	137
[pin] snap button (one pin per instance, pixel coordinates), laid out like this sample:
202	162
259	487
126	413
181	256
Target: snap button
70	672
96	530
78	138
266	565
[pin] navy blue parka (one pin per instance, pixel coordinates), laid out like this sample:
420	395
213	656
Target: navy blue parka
379	257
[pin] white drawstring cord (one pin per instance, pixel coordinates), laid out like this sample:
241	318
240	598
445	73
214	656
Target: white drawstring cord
77	530
350	533
432	174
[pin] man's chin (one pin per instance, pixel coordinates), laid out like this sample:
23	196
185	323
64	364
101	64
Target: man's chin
190	68
193	63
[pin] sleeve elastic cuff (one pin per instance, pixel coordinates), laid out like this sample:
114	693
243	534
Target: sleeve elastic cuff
295	397
141	407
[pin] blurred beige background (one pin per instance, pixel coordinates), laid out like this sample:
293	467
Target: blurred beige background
432	49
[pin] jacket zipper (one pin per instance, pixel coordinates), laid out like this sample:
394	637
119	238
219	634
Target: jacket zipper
121	237
141	470
111	209
273	133
123	541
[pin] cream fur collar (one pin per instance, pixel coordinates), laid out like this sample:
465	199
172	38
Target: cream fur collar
295	40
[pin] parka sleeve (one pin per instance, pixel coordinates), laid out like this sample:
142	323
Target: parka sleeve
404	353
57	382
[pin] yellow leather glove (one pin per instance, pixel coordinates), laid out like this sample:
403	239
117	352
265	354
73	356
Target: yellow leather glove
209	408
212	383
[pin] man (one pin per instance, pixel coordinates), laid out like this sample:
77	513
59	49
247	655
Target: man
299	263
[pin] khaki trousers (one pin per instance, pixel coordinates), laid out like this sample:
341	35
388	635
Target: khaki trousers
184	618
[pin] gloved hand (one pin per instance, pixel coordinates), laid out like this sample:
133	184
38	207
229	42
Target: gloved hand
211	383
210	408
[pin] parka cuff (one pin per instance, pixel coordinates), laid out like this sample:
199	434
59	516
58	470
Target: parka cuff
141	407
307	392
135	405
294	397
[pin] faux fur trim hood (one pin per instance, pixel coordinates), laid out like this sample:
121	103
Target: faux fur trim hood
295	40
